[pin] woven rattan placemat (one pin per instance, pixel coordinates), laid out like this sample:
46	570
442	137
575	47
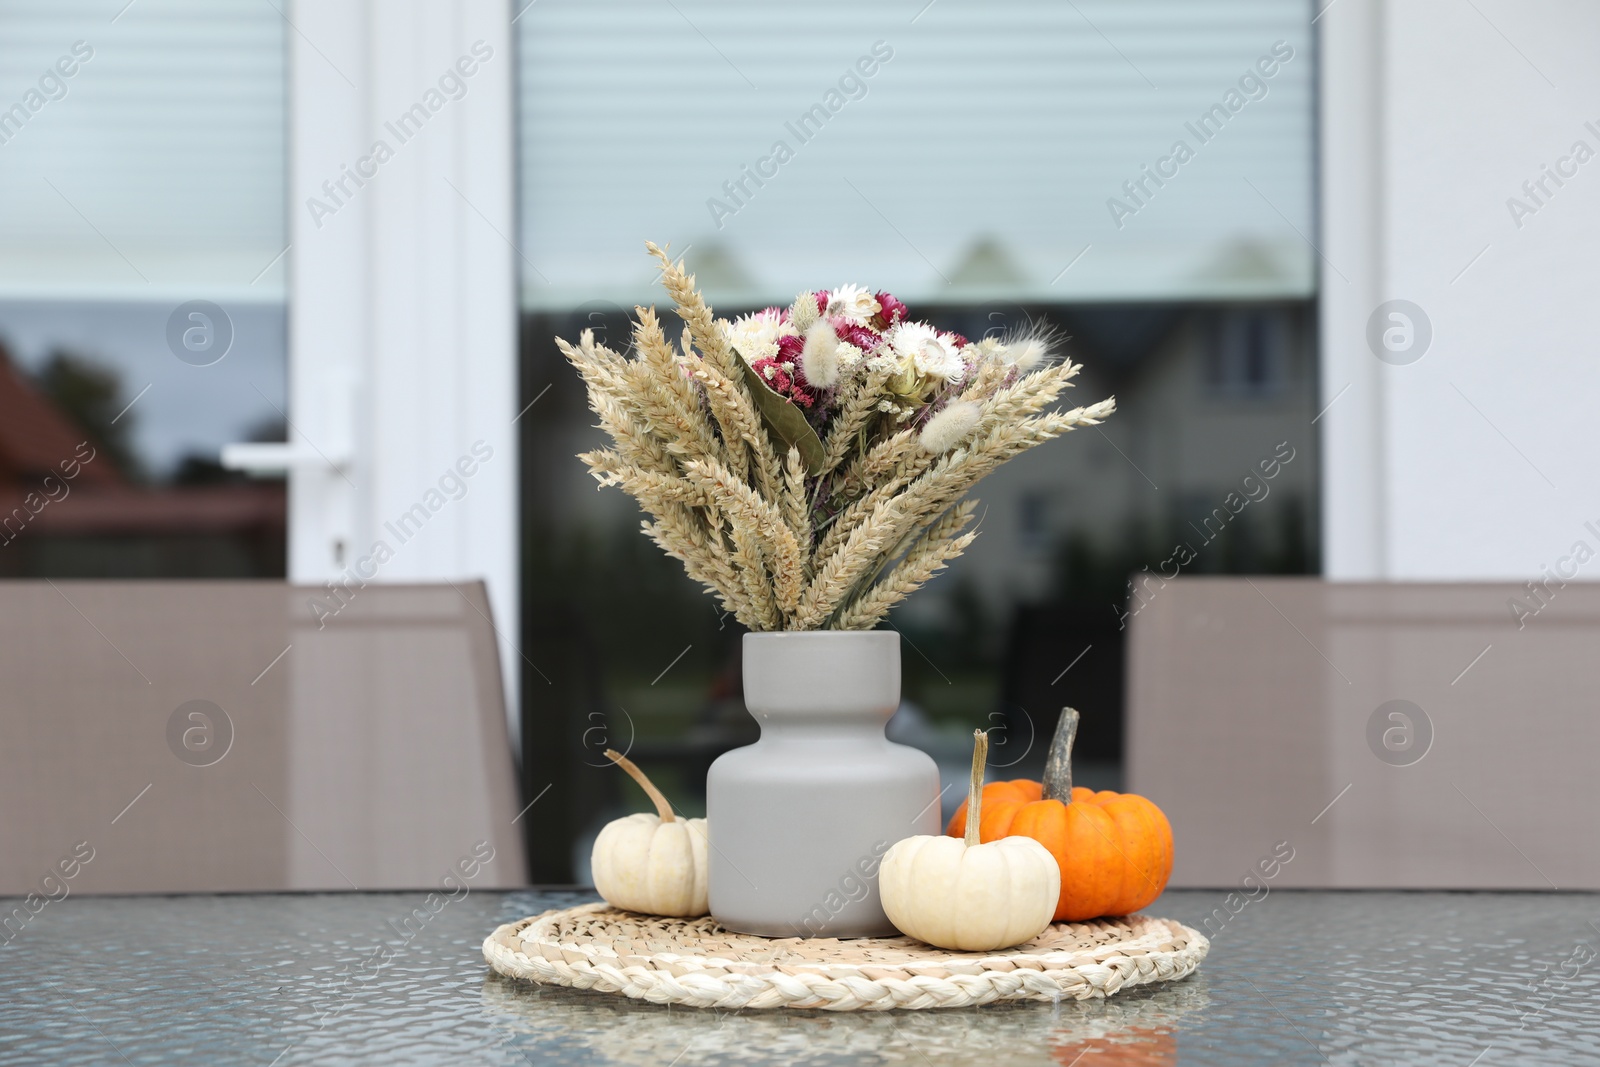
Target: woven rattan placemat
697	963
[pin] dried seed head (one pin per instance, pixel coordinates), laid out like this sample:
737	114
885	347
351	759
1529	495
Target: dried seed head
950	427
820	357
803	312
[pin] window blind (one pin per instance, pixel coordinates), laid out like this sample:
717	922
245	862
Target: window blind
156	167
952	152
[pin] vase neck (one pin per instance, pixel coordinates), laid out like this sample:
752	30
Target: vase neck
828	726
822	675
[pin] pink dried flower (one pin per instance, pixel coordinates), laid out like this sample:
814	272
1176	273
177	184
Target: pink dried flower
863	337
890	312
784	378
789	348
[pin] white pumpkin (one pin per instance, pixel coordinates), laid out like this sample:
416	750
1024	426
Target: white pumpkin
655	864
958	894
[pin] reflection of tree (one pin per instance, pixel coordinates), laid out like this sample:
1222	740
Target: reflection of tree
91	396
270	428
626	589
204	468
197	469
1265	540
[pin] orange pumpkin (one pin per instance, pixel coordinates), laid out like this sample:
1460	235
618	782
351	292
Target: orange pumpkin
1115	849
1137	1047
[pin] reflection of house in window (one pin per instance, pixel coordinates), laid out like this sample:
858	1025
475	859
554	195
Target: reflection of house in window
67	511
1247	352
1204	394
1033	521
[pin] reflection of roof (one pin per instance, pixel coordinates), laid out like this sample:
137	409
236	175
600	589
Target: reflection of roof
204	509
35	439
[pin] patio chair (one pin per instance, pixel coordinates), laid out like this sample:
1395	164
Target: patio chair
1398	736
160	737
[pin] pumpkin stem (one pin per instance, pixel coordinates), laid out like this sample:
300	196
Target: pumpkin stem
1058	764
980	756
663	808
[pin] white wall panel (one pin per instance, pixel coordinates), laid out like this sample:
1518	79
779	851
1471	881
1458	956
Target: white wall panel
1474	460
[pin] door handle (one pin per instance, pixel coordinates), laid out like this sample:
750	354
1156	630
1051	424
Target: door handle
276	457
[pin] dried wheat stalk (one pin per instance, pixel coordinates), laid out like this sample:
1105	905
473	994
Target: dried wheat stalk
787	543
926	557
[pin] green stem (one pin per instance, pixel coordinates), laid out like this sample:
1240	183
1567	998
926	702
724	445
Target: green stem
1058	764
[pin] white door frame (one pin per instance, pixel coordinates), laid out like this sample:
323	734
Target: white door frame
402	456
1470	461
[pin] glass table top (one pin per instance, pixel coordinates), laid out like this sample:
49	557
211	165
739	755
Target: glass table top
376	978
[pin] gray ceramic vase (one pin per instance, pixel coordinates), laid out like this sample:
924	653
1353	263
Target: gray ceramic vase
800	820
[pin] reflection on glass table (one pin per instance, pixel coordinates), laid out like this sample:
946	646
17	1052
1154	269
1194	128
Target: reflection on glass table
1293	978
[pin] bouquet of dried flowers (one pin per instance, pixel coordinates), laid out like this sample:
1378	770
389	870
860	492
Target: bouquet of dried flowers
807	463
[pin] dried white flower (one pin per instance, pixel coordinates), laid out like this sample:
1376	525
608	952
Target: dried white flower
888	360
852	304
939	358
755	336
931	352
907	338
820	356
950	426
849	354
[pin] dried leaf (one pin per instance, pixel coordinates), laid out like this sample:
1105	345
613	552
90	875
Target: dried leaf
786	420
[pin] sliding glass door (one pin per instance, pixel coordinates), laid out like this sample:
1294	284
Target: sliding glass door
1138	175
142	286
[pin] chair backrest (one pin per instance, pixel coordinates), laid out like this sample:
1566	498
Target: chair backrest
237	736
1393	736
